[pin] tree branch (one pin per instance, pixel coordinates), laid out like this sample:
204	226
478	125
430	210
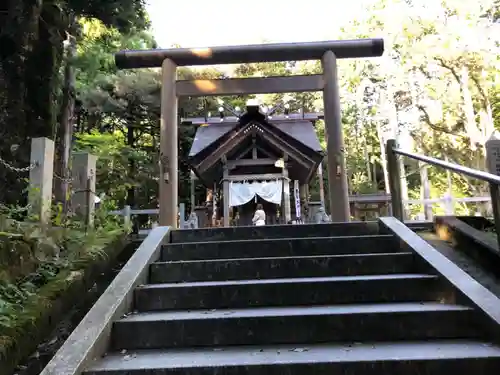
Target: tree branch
449	67
424	72
480	89
433	126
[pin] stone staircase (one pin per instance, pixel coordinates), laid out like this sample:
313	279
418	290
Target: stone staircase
357	299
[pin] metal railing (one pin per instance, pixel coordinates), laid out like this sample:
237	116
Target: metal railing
127	212
394	173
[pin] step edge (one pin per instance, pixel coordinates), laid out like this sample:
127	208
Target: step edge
486	350
304	280
280	311
379	236
356	255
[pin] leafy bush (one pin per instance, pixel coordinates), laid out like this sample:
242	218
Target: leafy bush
31	258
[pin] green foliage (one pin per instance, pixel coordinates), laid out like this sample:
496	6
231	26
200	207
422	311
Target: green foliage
32	257
411	93
113	177
95	58
436	86
31	57
125	15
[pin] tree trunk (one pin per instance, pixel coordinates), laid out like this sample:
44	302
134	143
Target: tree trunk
487	123
131	166
374	174
383	158
367	161
394	126
425	189
404	186
20	31
66	127
468	107
449	184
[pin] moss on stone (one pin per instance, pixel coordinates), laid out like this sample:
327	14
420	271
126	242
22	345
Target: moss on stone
45	309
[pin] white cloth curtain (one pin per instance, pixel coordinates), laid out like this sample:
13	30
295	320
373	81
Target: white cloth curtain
270	191
243	192
240	193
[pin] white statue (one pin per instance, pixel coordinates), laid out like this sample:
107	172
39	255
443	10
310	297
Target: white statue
321	217
192	222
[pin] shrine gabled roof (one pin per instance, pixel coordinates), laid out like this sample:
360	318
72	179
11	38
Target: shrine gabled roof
301	131
218	142
209	133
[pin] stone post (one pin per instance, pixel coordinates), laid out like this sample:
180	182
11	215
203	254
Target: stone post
41	176
84	179
201	212
313	211
127	216
182	215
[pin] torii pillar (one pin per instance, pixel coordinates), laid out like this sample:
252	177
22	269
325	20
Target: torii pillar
338	190
168	146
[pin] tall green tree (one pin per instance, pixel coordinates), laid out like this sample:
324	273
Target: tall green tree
31	37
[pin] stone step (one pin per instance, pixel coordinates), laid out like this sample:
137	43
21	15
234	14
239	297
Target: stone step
288	325
418	226
288	292
458	357
259	248
275	231
282	267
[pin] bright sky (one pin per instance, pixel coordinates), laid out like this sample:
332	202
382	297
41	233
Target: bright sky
207	23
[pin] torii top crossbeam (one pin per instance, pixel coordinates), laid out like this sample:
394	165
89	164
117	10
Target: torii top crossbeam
154	58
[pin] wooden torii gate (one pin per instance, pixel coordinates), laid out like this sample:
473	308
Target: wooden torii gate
328	52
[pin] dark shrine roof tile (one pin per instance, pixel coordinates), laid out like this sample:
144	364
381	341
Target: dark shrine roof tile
302	131
208	134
